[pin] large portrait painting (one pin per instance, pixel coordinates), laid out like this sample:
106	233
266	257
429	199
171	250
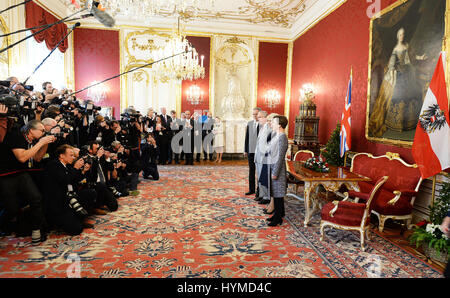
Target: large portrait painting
405	41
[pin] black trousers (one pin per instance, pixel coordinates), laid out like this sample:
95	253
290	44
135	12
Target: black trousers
169	150
106	197
151	170
68	221
88	199
251	172
19	187
278	204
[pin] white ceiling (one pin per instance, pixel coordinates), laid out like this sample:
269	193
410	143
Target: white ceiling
273	19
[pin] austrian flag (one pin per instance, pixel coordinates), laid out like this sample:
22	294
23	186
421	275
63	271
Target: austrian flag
431	147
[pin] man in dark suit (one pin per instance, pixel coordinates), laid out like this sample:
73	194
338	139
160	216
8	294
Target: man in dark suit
96	177
188	139
208	125
251	136
166	121
175	127
198	129
63	210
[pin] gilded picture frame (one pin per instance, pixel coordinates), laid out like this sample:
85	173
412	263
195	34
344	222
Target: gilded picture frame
405	41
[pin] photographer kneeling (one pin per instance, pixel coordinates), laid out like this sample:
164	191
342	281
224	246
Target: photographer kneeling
63	209
18	153
97	179
149	158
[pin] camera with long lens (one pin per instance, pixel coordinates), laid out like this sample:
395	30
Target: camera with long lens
88	159
13	105
55	134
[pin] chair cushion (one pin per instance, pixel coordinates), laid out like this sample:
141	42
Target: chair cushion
302	156
366	187
401	207
400	176
363	196
347	213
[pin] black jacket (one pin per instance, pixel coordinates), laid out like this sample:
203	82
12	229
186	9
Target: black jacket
55	188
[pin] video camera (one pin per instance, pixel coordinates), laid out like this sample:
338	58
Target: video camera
13	105
7	84
89	109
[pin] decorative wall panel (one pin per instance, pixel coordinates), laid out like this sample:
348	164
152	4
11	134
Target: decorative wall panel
235	63
96	58
272	74
140	88
203	47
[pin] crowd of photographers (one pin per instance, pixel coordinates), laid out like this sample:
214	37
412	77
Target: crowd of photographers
61	161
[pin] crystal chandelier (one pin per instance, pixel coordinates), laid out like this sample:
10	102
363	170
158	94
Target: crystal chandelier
194	95
272	98
188	66
145	8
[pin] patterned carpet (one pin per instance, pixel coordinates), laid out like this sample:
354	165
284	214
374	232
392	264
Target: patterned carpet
195	222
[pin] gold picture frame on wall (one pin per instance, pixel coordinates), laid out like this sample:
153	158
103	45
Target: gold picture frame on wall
405	41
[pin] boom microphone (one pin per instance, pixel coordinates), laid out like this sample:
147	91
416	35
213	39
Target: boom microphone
98	12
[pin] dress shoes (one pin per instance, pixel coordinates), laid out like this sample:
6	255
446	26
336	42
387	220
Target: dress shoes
99	212
249	193
264	202
257	199
275	222
88	224
266	212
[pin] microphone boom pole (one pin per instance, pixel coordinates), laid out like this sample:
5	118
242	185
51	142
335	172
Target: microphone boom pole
13	6
47	27
70	31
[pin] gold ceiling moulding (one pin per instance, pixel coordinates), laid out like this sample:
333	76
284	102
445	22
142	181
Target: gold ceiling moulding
253	12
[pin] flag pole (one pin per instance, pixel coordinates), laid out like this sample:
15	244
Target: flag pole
433	190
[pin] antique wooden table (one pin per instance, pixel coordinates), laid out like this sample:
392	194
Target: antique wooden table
331	181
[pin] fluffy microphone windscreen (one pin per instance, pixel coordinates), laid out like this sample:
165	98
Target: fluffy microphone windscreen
102	17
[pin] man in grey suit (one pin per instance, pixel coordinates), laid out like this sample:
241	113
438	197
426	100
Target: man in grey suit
251	136
261	156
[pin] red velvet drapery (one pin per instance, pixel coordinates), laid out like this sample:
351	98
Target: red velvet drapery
37	16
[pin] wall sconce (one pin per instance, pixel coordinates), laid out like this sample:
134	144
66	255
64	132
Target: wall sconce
272	98
307	92
194	95
97	93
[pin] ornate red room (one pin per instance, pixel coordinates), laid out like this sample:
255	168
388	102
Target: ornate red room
239	139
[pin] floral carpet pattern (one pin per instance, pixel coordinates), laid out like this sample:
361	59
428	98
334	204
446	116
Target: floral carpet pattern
195	222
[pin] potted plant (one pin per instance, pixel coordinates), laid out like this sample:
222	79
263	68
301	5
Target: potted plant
428	234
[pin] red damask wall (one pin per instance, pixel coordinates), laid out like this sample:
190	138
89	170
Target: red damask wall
202	45
272	73
96	58
324	56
